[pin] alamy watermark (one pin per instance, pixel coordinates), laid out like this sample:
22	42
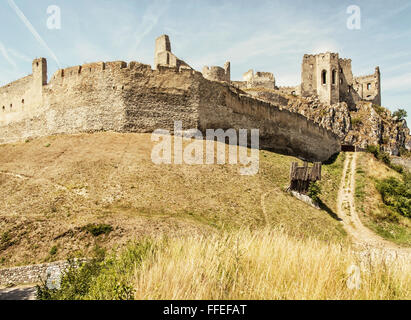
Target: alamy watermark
54	18
354	277
194	153
354	20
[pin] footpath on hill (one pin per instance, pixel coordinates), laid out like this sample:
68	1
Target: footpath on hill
365	241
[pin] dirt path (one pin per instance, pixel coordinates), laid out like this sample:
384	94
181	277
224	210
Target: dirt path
364	239
18	293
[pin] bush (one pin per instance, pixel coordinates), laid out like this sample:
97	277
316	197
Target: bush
356	122
375	150
401	114
101	278
397	194
384	157
53	250
405	153
380	110
314	191
98	229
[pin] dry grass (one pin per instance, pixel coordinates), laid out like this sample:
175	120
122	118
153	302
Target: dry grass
54	186
263	265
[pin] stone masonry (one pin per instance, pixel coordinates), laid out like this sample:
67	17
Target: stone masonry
132	97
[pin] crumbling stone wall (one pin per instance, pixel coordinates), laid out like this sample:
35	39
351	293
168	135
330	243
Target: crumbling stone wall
32	274
121	97
331	79
216	73
163	55
222	106
369	87
256	80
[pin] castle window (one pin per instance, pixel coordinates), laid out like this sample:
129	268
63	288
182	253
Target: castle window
341	81
334	77
11	105
22	101
369	86
4	108
324	77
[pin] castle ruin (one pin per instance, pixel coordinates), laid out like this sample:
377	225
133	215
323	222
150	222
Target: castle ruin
332	80
133	97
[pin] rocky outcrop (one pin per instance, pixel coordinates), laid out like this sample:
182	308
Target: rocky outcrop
366	124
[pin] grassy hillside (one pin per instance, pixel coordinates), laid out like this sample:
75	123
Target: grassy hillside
62	195
373	212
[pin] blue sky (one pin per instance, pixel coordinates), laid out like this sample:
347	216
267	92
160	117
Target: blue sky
265	35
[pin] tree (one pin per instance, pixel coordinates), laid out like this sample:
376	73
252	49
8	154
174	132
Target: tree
401	114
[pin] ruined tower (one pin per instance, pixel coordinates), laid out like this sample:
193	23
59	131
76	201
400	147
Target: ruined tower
321	77
215	73
163	55
39	68
331	79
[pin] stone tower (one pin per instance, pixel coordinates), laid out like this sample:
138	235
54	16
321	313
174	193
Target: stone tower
331	79
321	77
215	73
163	55
39	67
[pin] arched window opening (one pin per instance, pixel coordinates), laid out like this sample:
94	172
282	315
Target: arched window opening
4	108
324	77
334	77
22	101
369	86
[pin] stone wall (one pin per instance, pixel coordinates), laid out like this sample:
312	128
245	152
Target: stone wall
331	79
32	274
121	97
369	87
215	73
221	106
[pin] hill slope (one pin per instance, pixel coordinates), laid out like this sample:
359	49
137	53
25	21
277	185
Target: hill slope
53	188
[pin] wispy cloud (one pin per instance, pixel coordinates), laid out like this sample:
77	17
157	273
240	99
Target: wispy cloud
149	21
19	55
5	54
33	31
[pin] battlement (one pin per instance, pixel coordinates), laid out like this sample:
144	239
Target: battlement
132	97
215	73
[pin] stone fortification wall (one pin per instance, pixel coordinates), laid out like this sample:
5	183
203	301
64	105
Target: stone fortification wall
222	106
121	97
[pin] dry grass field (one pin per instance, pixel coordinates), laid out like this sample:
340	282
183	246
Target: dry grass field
54	188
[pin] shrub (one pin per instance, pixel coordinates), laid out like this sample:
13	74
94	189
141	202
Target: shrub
314	191
405	153
397	194
356	122
102	278
380	110
375	150
401	114
98	229
53	250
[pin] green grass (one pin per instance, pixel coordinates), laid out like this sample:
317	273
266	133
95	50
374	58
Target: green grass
377	216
